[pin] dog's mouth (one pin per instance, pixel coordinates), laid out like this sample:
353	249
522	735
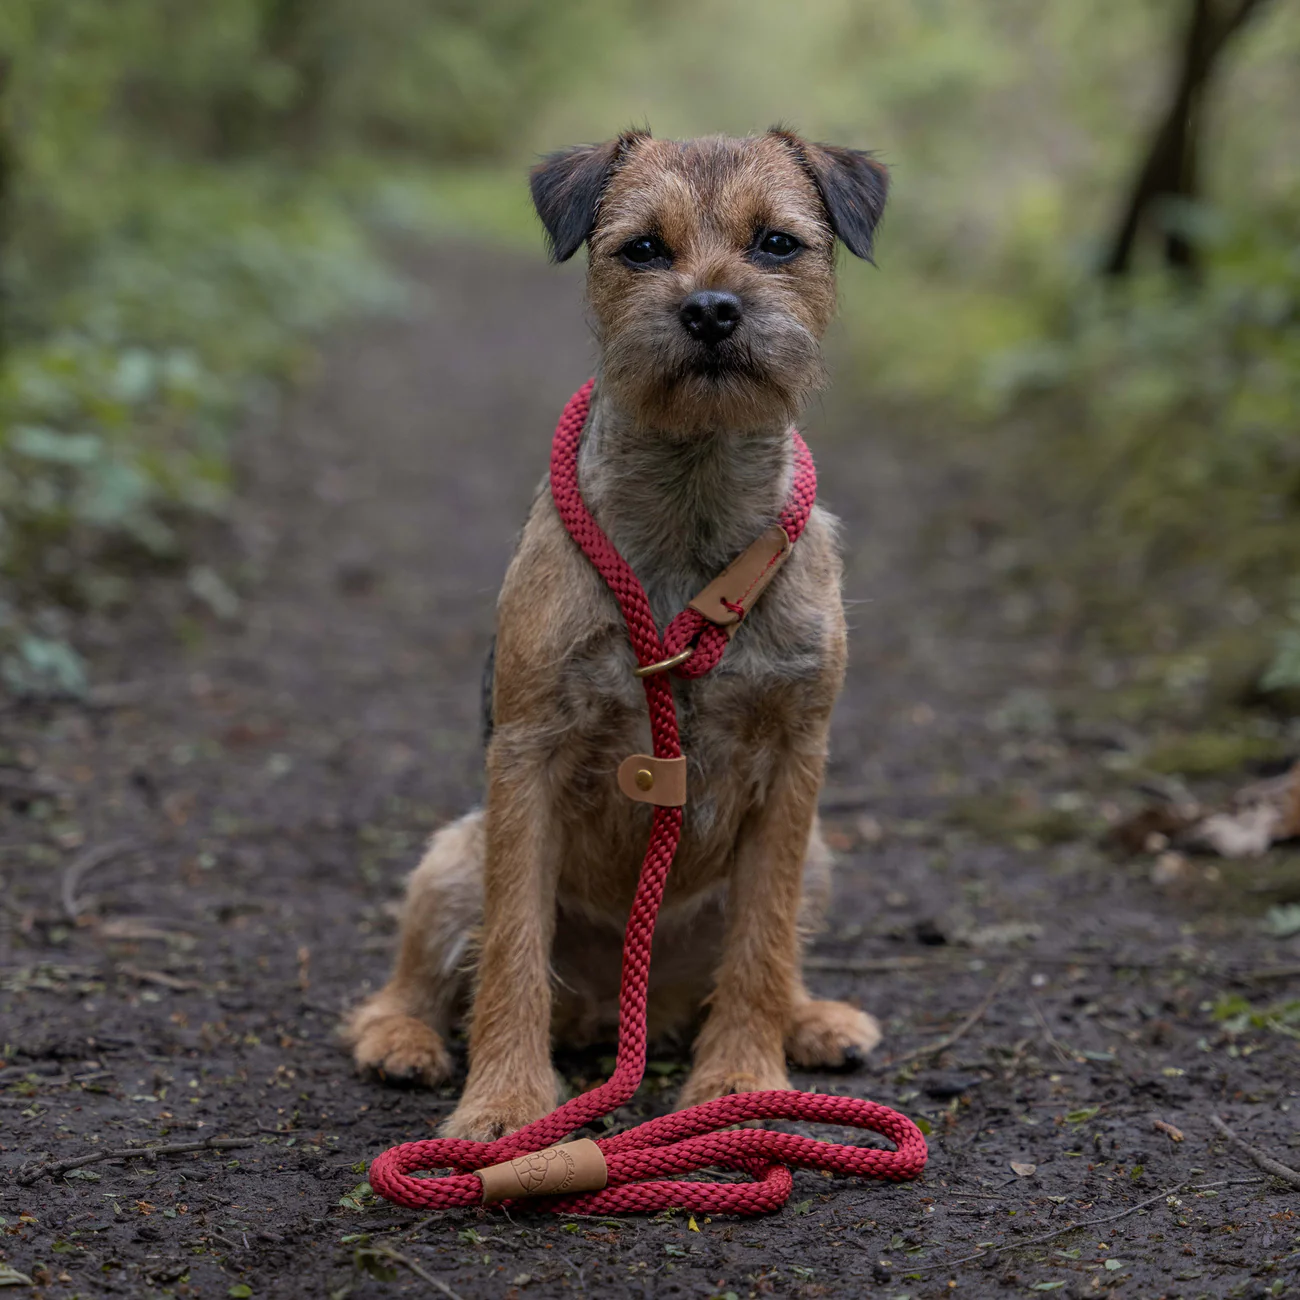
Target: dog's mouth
728	363
758	375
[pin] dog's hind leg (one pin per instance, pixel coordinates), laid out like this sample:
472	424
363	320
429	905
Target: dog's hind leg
400	1032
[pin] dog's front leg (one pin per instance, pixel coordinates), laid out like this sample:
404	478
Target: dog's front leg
741	1048
511	1081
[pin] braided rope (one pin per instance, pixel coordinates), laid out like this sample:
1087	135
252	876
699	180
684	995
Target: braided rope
642	1161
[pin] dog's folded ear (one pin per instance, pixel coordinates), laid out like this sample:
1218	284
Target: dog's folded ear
567	187
852	185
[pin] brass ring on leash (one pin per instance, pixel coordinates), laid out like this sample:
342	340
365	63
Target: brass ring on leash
665	665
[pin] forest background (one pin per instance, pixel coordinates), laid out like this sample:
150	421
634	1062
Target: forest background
1087	300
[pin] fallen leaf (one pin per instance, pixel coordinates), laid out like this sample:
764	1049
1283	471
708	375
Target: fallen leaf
1172	1133
692	1225
1283	921
1257	816
1170	869
10	1276
1153	825
1260	815
1245	834
1022	1169
1005	934
1114	1265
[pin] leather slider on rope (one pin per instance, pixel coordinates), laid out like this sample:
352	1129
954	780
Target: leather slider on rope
572	1167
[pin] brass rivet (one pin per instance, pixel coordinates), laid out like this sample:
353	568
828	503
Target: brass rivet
645	778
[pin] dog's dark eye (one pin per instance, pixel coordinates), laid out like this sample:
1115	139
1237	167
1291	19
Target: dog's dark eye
777	244
645	250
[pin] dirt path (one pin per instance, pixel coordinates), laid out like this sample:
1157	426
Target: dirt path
267	782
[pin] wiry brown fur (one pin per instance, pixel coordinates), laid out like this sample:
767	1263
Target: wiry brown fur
684	464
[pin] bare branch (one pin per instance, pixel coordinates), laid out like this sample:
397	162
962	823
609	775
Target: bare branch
82	865
386	1252
942	1044
57	1168
1257	1157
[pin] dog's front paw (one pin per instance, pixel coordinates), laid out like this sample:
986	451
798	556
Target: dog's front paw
400	1050
484	1118
708	1082
830	1035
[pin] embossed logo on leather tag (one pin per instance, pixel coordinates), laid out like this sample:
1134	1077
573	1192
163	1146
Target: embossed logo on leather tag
572	1167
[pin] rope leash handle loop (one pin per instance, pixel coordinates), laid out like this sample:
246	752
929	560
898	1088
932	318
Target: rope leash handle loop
643	1162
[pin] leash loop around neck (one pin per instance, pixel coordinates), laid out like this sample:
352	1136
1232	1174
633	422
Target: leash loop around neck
641	1164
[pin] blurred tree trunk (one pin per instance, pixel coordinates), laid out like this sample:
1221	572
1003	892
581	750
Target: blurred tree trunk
1171	168
290	38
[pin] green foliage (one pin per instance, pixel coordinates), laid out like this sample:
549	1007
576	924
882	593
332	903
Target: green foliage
1136	447
1283	672
1209	753
1237	1015
115	414
187	194
1161	422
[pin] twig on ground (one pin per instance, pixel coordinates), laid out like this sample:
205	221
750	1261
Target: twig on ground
159	977
386	1252
82	865
1066	1058
847	800
582	1286
39	786
942	1044
320	1008
55	1168
1087	1223
873	965
960	957
1019	1050
1272	973
1257	1157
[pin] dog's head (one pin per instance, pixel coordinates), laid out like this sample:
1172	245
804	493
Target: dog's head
711	268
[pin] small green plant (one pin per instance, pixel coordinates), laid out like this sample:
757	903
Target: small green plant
361	1197
1237	1015
1283	673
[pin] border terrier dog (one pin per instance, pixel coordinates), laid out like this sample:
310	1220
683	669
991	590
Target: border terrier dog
711	280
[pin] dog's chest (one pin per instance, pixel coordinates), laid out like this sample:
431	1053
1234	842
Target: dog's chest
737	727
735	724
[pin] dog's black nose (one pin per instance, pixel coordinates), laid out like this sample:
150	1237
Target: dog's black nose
710	316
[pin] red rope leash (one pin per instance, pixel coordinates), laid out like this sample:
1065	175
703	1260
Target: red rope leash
687	1140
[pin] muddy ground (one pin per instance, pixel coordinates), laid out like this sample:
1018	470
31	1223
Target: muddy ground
199	865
